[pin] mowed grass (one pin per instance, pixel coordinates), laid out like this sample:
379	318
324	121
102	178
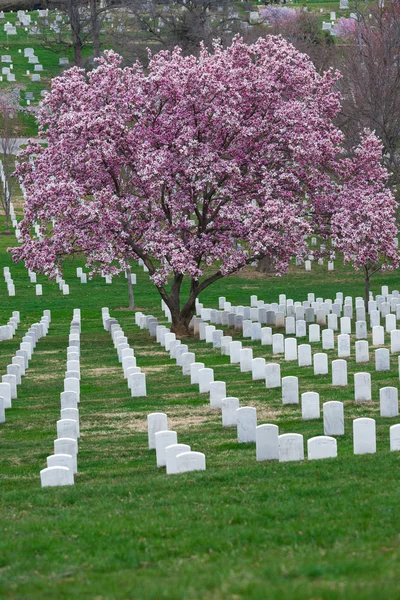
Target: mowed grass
242	529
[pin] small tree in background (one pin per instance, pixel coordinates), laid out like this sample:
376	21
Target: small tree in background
8	148
199	166
364	223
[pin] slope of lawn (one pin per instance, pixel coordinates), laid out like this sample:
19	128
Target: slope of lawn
241	529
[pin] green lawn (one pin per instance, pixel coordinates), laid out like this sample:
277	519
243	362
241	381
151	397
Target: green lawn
242	529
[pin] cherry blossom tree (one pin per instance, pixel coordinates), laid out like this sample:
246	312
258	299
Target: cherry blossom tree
364	222
198	166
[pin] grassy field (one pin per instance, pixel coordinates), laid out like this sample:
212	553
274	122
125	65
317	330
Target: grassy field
242	529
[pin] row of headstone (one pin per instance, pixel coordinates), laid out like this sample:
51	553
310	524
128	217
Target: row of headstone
176	458
7	331
62	465
290	446
81	275
20	362
9	281
198	373
141	264
321	309
270	372
62	285
132	373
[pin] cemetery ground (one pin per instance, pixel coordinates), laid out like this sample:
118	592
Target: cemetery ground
240	529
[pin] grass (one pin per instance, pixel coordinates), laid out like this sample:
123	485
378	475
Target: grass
242	529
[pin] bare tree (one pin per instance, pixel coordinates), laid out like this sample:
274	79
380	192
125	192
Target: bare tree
80	27
8	147
186	23
371	82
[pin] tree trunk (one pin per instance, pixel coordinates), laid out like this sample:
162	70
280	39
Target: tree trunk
181	318
94	19
77	51
75	24
366	289
130	289
265	265
7	218
180	324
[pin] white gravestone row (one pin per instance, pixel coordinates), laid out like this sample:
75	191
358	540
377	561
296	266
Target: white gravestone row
62	465
82	276
132	373
7	331
198	373
20	362
176	458
9	281
303	352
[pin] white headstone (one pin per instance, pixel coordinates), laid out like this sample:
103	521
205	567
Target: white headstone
217	393
364	436
321	447
162	440
272	375
229	411
395	437
333	418
304	355
258	368
362	351
155	422
278	343
339	372
310	406
190	461
320	363
382	359
267	442
343	345
246	424
290	390
171	452
56	476
291	447
362	387
137	383
389	402
378	335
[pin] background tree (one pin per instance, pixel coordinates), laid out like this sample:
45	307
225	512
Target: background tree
364	222
198	166
186	23
81	26
8	148
371	81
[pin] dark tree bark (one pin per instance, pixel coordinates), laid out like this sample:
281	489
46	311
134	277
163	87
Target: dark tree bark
130	289
265	265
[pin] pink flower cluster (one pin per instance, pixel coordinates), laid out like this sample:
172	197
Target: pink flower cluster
218	160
